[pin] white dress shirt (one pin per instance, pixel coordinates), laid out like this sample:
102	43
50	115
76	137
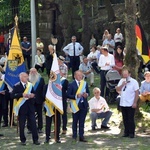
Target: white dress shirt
98	104
127	92
69	49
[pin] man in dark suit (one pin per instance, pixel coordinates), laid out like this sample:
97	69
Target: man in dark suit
49	121
38	84
64	83
79	104
4	93
24	93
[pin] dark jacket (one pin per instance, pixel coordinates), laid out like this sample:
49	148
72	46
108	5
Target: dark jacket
71	92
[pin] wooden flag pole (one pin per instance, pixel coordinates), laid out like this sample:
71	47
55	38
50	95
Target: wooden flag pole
55	129
12	115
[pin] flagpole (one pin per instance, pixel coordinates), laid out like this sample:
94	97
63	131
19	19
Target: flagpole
55	130
54	41
12	117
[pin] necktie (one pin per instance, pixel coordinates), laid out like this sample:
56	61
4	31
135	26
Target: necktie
74	49
24	86
78	83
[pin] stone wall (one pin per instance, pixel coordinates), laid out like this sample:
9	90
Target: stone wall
58	21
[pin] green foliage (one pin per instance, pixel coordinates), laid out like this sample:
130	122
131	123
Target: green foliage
81	13
80	30
7	13
24	12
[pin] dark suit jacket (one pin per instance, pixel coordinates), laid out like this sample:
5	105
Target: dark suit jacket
72	89
4	98
17	93
64	89
39	99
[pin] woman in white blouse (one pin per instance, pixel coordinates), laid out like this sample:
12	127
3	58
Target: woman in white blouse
39	61
118	38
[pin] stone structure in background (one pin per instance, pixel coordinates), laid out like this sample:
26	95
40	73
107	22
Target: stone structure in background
59	19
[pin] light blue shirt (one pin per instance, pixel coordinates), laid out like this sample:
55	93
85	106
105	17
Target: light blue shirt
69	49
110	42
145	86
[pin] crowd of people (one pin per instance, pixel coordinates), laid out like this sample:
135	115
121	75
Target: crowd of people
31	90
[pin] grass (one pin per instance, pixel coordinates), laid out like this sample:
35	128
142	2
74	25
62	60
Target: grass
98	140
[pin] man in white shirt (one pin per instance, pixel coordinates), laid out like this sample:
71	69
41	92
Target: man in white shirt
74	50
129	92
106	62
99	109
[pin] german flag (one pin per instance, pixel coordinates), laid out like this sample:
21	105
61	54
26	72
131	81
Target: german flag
141	44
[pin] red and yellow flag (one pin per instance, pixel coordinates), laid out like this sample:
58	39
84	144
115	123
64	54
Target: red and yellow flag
142	45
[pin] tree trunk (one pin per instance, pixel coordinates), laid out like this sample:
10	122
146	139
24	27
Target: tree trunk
85	25
131	59
65	19
110	11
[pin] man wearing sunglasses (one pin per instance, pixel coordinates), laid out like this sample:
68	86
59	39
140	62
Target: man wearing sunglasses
129	91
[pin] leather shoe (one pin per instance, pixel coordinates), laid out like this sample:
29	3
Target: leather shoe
1	135
131	135
5	125
104	127
46	141
40	131
29	132
82	140
94	128
58	141
125	135
36	143
23	143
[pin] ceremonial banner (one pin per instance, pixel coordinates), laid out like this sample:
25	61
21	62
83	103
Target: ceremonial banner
15	62
54	90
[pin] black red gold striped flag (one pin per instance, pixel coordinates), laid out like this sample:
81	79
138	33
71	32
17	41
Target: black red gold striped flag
142	45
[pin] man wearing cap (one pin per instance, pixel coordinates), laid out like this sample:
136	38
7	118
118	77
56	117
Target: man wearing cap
74	50
106	62
62	66
145	88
